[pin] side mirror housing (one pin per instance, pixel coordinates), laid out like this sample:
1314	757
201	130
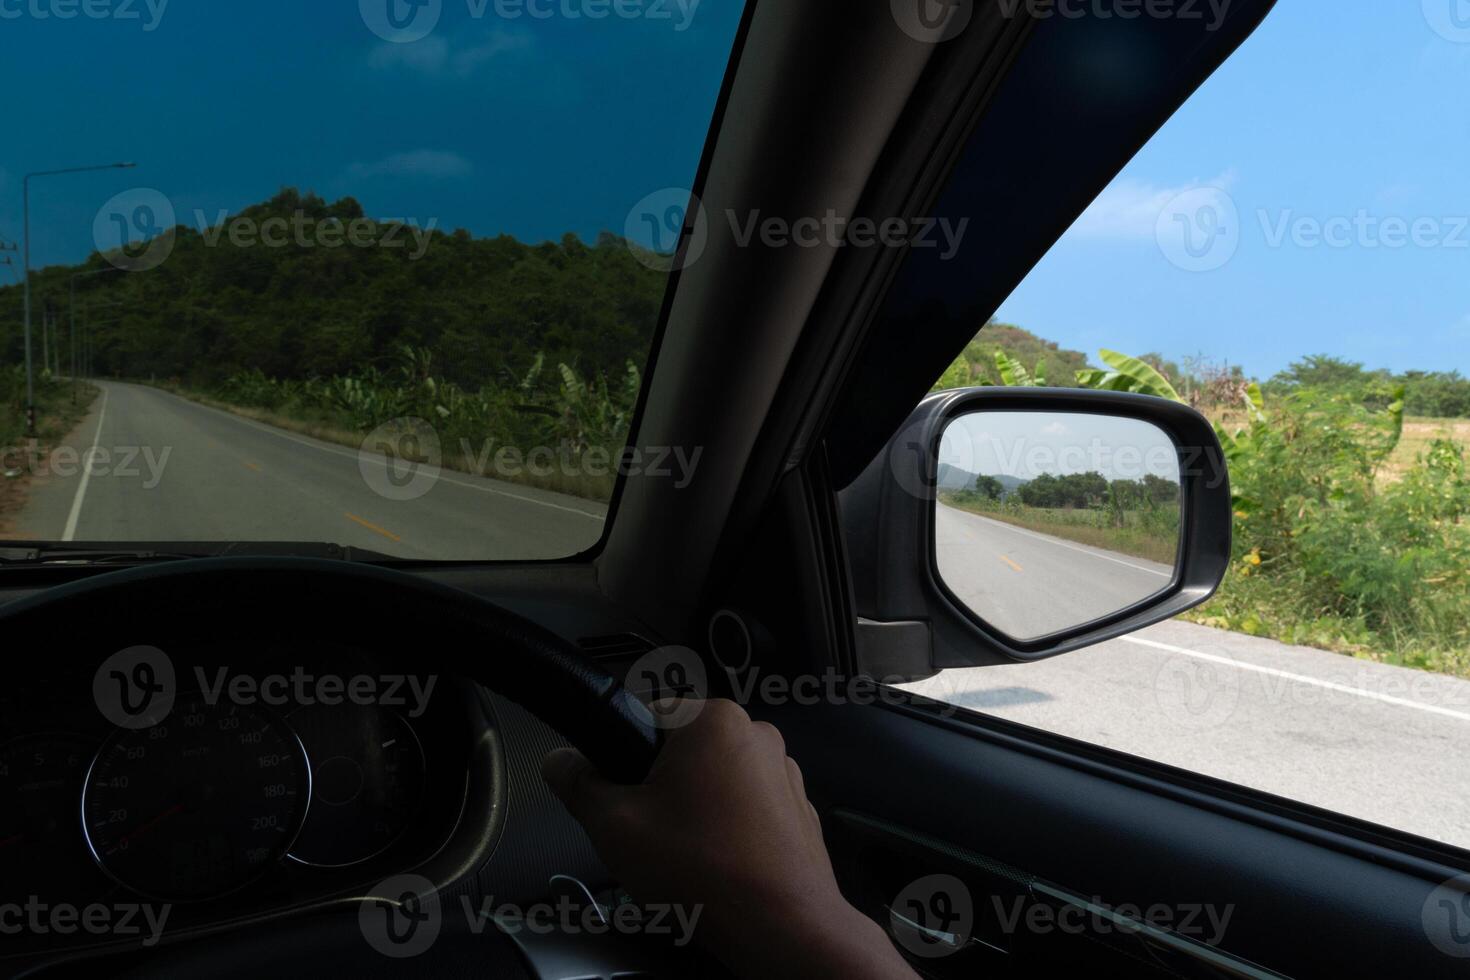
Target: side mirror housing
1012	524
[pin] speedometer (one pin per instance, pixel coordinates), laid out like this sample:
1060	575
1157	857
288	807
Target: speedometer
198	805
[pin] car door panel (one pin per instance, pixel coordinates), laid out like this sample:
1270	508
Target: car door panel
952	797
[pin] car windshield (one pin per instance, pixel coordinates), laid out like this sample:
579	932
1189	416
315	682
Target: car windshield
383	275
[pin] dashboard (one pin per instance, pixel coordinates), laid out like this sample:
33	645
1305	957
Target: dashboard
305	764
260	786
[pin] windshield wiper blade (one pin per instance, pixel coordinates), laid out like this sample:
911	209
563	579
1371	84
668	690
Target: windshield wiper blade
54	555
34	553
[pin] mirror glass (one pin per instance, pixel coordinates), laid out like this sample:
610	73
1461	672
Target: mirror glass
1047	521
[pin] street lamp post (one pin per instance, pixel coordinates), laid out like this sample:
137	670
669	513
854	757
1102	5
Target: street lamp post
25	185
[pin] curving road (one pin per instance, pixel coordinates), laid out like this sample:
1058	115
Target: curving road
165	469
1029	584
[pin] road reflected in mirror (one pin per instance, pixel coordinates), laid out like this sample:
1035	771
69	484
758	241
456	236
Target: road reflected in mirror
1048	521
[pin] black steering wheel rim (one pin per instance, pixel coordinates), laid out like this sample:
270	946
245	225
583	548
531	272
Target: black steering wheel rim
442	630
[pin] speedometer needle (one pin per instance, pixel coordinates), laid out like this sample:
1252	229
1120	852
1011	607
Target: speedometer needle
141	829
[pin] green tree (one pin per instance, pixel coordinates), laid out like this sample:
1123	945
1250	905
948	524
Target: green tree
989	487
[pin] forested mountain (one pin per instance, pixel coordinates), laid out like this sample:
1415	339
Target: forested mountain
1061	366
487	307
484	308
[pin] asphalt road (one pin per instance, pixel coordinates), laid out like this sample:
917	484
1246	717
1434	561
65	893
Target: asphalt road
1030	585
166	469
1382	743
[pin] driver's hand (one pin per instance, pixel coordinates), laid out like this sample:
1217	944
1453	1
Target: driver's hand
722	825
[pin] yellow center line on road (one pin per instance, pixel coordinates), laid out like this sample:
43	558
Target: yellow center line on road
1012	564
374	528
252	466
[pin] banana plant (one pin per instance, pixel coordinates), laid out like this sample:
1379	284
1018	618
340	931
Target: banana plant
1013	373
1127	374
1241	440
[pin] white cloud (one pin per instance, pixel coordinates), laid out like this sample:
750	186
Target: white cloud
437	56
1130	208
419	163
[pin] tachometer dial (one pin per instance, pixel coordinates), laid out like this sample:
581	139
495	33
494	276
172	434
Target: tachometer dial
367	780
198	805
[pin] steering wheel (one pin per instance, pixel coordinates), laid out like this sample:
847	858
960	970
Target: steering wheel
285	605
286	600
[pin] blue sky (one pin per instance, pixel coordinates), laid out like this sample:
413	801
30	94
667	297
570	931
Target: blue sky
1329	111
532	127
539	127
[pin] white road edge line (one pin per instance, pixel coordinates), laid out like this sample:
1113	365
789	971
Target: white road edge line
1300	678
76	505
381	462
1070	547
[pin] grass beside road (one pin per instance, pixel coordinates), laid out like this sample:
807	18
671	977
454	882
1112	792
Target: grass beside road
1343	550
1258	605
1138	536
56	416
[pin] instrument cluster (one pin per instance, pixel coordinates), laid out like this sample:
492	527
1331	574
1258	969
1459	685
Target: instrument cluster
230	796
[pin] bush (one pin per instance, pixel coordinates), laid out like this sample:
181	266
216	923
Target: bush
1325	551
560	410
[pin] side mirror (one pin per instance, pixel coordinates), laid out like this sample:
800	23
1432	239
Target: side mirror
1011	524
